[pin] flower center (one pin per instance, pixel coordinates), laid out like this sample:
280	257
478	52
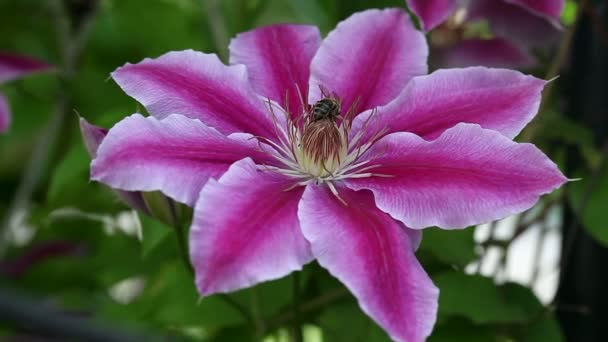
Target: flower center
317	147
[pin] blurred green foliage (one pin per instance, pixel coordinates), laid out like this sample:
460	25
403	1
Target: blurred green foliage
68	207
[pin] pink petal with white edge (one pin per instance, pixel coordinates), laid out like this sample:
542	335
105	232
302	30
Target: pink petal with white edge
415	236
494	53
467	176
278	61
93	136
550	8
246	230
373	256
16	66
176	155
498	99
5	115
369	58
431	12
198	86
516	23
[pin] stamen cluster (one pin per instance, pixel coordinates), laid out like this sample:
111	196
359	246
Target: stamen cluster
321	150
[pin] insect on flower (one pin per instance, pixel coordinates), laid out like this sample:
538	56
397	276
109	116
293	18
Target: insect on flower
326	109
339	150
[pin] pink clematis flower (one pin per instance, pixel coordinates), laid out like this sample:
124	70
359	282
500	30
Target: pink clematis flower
13	67
338	150
518	26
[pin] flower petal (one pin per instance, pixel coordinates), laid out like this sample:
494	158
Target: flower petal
467	176
516	23
550	8
5	115
495	53
369	58
372	255
278	61
246	230
176	155
198	86
15	66
498	99
93	136
431	12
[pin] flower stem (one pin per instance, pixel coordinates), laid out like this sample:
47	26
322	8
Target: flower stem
71	45
297	323
182	246
260	325
217	25
312	306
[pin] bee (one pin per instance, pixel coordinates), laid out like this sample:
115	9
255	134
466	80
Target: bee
326	109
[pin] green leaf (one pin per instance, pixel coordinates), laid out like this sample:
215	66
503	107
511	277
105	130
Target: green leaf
309	11
481	300
154	234
590	201
174	301
238	333
455	247
569	13
461	330
346	322
566	131
70	182
544	330
267	298
100	260
72	169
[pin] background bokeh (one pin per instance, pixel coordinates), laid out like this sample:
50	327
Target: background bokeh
75	262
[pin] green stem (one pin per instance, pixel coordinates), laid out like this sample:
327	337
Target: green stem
260	325
71	46
312	306
182	246
238	307
297	323
217	25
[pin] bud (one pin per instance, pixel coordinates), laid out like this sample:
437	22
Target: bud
153	204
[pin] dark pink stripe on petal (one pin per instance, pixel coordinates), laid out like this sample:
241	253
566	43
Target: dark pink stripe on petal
199	86
373	256
176	155
498	99
431	12
495	53
15	66
550	8
516	23
467	176
370	57
5	115
246	230
278	61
